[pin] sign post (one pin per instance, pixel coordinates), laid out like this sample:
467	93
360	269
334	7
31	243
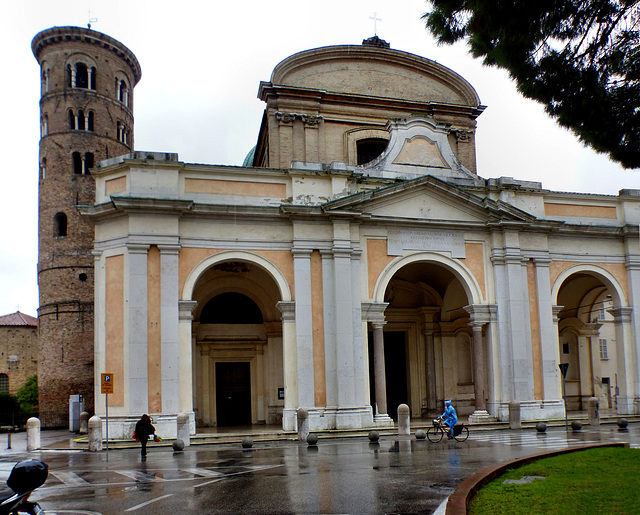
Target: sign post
107	388
563	370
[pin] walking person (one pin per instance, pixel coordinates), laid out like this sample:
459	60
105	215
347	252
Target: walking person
143	430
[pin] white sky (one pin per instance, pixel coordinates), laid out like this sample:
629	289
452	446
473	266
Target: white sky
202	62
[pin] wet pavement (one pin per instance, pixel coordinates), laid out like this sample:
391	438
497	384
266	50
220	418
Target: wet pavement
340	475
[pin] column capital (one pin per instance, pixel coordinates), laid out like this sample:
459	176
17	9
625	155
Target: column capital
621	314
555	311
480	314
301	252
288	310
137	248
285	118
542	261
185	309
374	312
169	249
632	262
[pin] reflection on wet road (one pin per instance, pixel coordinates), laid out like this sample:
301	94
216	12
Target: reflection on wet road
400	474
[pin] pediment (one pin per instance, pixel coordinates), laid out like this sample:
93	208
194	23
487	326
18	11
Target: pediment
427	198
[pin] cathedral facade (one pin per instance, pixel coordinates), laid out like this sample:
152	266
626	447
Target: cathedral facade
355	262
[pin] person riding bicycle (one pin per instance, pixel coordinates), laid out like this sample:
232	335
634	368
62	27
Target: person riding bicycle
449	417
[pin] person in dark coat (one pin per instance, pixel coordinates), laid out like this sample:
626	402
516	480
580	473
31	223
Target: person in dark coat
143	430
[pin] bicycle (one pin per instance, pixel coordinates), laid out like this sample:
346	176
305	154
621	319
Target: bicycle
438	430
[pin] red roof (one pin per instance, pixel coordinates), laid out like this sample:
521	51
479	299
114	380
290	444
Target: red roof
18	318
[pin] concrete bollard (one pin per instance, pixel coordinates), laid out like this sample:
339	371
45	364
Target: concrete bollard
514	415
84	423
594	411
183	429
33	434
303	424
404	427
95	433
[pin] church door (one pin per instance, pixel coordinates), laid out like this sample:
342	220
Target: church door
233	393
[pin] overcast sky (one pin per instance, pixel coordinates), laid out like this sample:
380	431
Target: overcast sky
202	62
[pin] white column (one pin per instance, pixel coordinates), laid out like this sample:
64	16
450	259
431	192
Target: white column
136	313
632	263
549	337
169	317
512	299
479	317
344	327
356	322
289	363
379	370
625	347
185	367
330	355
304	327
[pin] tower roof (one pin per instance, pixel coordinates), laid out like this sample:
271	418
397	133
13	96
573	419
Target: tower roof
61	34
18	319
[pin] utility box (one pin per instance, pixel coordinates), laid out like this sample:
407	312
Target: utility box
76	406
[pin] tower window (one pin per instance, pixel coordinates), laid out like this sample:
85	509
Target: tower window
43	168
72	120
122	91
123	133
88	162
59	225
90	121
370	148
4	383
81	125
44	126
45	81
77	163
81	76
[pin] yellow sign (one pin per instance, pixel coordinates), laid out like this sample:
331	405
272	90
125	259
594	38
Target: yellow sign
107	383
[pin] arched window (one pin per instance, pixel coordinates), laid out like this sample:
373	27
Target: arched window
81	125
92	78
88	162
90	121
44	86
81	76
43	168
4	383
370	148
231	308
77	163
72	120
59	225
122	91
44	126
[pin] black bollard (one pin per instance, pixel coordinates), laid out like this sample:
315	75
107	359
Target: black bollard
8	440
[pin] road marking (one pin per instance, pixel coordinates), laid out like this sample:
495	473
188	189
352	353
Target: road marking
142	505
69	478
137	476
203	472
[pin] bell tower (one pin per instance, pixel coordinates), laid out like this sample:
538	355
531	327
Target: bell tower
86	115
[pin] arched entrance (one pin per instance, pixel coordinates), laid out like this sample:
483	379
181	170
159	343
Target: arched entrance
238	349
591	325
430	349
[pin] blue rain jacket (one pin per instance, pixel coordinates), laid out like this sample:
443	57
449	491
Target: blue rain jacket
449	415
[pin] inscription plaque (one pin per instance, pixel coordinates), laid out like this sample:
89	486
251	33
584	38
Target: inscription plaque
400	240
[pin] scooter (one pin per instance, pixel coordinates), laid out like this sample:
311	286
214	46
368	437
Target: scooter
25	477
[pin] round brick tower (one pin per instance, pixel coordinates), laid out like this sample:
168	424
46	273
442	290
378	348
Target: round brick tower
86	115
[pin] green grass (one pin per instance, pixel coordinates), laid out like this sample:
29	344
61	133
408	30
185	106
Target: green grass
603	480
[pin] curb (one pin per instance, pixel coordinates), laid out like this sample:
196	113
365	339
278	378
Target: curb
458	500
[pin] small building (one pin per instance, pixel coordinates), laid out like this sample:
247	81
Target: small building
18	350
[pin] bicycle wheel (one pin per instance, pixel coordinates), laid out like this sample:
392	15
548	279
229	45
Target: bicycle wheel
464	434
434	434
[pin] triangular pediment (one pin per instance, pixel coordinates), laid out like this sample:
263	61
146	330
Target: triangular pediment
427	198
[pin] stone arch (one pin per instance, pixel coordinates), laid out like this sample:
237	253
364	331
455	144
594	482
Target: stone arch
619	296
462	273
236	255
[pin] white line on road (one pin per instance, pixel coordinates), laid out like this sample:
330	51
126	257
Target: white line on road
69	478
136	475
138	506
